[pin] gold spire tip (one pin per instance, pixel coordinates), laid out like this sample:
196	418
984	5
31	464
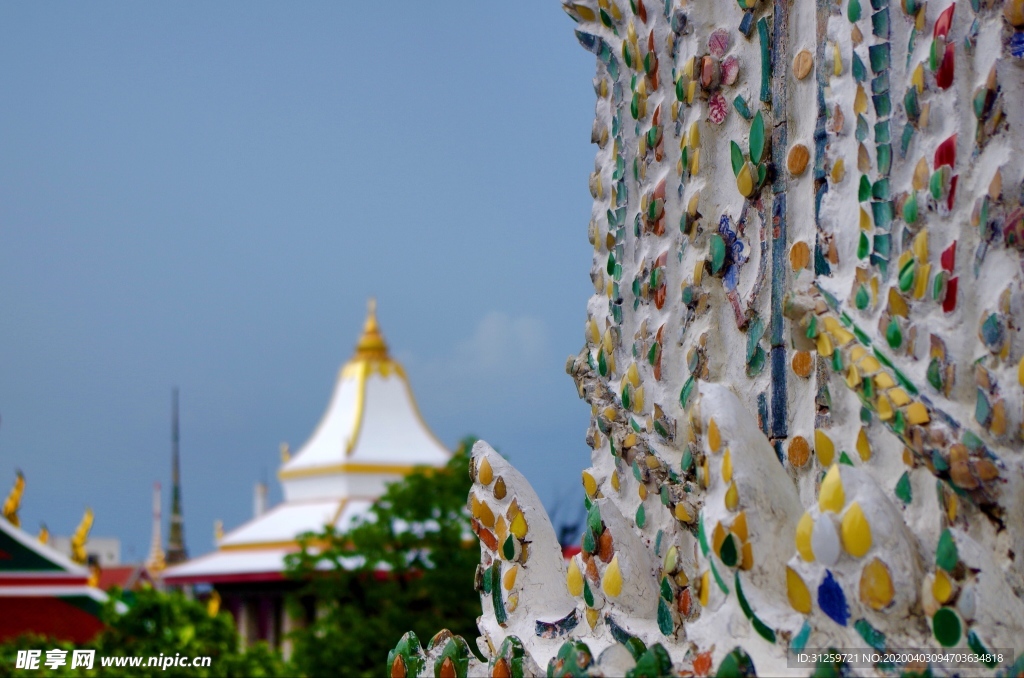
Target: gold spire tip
371	344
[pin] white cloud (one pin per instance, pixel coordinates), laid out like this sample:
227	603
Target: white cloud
501	345
502	354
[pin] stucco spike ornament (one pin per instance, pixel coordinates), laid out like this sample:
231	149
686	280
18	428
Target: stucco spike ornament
803	356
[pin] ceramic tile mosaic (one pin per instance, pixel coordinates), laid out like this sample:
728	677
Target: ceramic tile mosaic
803	356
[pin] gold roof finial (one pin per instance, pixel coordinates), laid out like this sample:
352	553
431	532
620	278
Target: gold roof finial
371	345
80	538
13	502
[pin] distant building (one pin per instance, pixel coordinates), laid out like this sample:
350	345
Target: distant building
103	551
370	435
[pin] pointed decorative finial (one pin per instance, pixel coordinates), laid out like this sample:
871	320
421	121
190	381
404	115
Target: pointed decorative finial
371	345
286	453
80	537
156	561
218	530
13	502
44	534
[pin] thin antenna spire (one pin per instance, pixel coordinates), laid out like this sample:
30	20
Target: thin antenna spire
176	551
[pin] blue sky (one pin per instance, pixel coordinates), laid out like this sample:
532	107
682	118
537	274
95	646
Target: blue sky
205	194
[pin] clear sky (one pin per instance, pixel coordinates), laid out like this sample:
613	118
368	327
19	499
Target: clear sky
205	194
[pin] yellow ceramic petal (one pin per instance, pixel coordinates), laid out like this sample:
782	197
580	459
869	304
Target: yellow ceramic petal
589	484
705	588
876	590
671	559
921	281
727	466
918	77
803	537
694	136
682	514
633	375
486	514
856	531
920	245
884	381
838	171
899	397
691	210
831	496
606	342
574	580
748	557
611	583
921	175
732	497
717	537
688	67
739	526
518	526
825	347
860	101
870	364
796	589
897	305
865	220
823	447
837	60
484	474
863	445
615	481
745	180
884	408
592	617
584	12
942	587
715	438
509	580
952	506
853	377
917	413
638	400
1020	371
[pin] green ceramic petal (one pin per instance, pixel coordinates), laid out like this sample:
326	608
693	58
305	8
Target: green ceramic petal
737	157
757	139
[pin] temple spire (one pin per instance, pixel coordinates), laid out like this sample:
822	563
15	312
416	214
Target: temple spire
371	344
155	561
176	551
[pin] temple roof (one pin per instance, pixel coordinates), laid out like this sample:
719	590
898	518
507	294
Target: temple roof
41	589
372	423
371	434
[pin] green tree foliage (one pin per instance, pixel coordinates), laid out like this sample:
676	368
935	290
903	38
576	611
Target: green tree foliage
156	623
409	564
